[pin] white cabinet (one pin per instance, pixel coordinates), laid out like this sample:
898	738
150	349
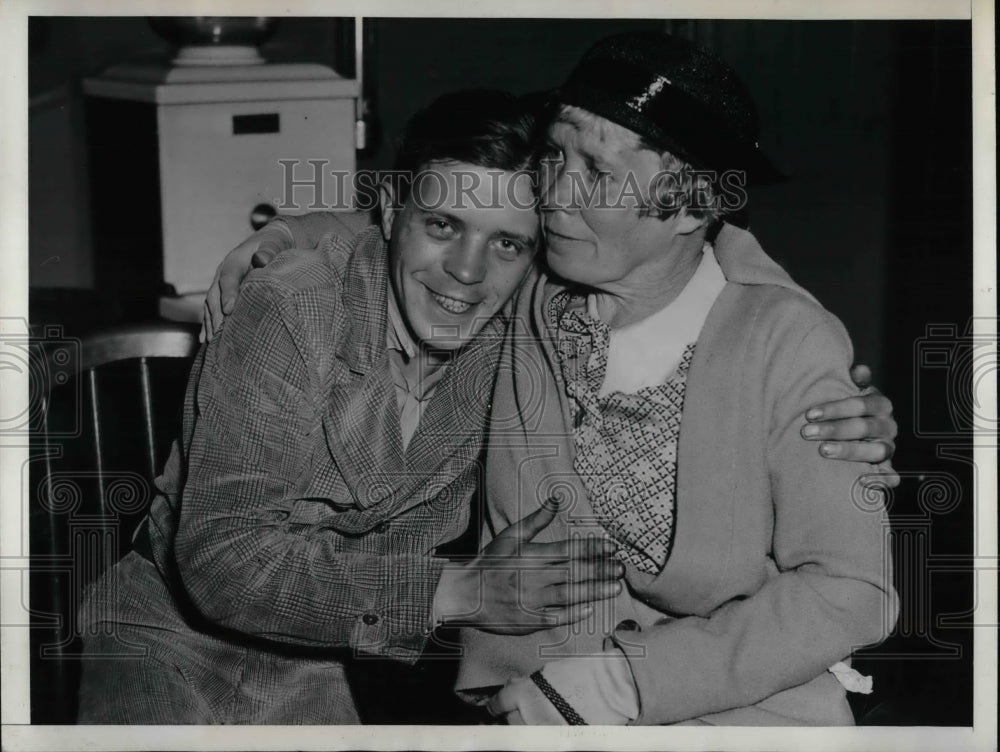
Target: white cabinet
181	156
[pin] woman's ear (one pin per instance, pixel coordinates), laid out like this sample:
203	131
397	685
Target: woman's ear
688	223
387	208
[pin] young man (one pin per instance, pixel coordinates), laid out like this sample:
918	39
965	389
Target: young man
330	444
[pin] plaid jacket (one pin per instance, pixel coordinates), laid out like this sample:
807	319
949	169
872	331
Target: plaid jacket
289	511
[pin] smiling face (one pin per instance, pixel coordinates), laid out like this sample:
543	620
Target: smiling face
459	248
596	179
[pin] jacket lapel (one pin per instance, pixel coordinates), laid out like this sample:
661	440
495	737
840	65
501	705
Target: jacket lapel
531	449
449	436
361	418
707	483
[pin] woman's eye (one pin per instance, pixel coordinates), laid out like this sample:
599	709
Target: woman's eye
552	153
596	172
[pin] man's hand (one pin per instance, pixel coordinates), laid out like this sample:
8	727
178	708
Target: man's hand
858	429
518	587
254	252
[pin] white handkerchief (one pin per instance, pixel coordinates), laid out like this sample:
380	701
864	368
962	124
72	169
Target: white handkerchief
851	680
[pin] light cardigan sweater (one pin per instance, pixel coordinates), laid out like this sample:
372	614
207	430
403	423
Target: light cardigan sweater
780	565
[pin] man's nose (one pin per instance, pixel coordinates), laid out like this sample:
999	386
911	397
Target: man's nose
467	261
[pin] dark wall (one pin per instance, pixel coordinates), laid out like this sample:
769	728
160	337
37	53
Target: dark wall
933	364
417	60
828	225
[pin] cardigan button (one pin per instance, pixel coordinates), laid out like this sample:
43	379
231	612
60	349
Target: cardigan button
370	619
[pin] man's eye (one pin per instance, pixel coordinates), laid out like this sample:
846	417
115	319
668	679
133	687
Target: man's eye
440	228
508	248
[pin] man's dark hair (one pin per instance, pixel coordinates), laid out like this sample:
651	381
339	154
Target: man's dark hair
483	127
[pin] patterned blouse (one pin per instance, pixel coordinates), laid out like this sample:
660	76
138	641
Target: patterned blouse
626	441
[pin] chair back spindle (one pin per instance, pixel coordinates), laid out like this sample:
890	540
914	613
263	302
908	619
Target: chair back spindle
147	415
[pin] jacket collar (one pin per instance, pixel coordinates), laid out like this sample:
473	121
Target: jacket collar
744	262
741	258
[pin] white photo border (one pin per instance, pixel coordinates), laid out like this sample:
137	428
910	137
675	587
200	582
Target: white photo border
20	735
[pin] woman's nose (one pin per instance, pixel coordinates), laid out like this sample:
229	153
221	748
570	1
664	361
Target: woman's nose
557	190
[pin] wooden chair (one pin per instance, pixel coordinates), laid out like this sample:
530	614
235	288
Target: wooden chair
104	438
141	343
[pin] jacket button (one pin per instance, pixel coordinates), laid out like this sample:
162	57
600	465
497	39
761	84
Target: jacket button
370	619
628	625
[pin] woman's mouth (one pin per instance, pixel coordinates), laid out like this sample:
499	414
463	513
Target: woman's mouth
451	305
552	235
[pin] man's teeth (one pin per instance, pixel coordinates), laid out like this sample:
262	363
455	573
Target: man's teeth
450	304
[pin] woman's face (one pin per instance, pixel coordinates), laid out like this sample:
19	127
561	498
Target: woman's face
596	179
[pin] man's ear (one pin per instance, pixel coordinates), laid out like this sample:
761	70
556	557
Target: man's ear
387	208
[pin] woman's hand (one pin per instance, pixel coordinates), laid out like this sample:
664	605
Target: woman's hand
254	252
518	587
594	690
857	429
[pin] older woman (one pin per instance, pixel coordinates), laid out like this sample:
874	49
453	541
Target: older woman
656	383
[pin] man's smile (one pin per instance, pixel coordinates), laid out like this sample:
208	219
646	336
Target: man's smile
451	305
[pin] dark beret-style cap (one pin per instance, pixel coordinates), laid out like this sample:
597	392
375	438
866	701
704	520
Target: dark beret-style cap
677	95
